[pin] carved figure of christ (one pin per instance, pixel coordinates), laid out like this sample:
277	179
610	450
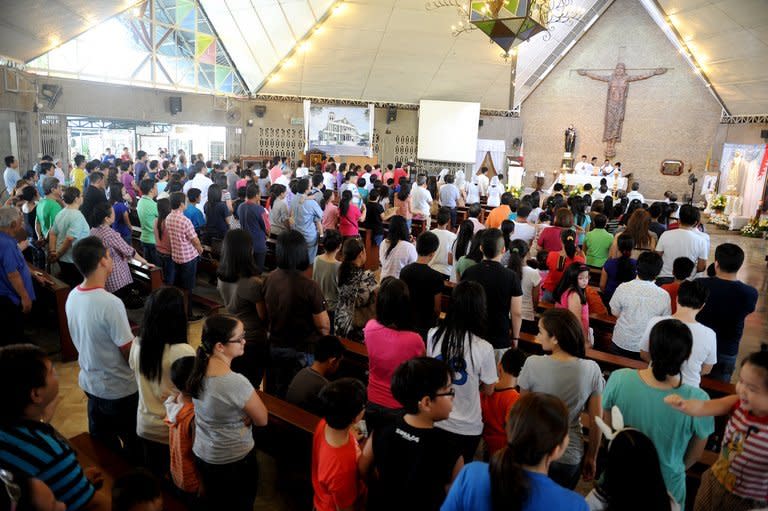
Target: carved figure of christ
616	102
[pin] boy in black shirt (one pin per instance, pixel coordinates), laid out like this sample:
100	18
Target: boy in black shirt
424	284
414	469
503	292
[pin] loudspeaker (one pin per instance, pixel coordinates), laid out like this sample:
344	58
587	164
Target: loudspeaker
764	134
480	124
391	114
260	110
174	102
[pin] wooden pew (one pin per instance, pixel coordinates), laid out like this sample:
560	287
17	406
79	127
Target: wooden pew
288	439
91	453
60	291
285	413
151	278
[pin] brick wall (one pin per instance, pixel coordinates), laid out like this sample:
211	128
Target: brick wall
671	116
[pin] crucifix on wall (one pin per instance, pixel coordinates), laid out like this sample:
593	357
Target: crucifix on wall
616	102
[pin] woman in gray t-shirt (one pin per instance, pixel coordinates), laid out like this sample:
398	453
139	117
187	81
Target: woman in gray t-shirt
226	405
578	382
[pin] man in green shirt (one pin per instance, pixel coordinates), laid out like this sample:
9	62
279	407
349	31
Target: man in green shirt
147	211
49	207
597	243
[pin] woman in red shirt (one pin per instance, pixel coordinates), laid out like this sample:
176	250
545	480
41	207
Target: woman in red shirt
349	216
558	261
549	239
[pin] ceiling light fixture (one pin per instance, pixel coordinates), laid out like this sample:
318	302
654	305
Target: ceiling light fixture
509	23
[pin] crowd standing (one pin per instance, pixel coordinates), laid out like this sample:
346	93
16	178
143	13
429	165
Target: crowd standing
453	415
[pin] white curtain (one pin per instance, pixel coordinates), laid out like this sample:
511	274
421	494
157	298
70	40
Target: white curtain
306	125
498	150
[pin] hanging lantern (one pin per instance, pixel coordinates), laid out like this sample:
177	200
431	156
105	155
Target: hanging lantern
510	22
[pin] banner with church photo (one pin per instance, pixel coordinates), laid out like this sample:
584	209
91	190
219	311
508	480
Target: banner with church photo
740	174
340	130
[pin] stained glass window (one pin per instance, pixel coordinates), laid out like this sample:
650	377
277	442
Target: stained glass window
157	43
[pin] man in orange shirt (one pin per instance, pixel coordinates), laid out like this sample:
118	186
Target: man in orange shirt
499	214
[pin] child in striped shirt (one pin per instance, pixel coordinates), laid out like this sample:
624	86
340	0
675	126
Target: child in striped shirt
739	478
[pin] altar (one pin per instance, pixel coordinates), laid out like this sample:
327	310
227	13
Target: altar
580	180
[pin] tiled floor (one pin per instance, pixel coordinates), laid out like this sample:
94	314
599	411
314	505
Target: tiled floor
70	418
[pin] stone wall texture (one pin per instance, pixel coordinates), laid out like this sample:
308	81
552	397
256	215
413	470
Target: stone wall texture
671	116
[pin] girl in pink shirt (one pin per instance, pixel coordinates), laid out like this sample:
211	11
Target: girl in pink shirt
571	293
389	344
349	215
330	218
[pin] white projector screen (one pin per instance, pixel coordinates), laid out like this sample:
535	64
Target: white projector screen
448	131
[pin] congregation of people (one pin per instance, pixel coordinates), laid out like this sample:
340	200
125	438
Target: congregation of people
454	414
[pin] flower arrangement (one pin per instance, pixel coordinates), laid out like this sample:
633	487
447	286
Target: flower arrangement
720	221
763	224
576	191
719	202
515	191
752	230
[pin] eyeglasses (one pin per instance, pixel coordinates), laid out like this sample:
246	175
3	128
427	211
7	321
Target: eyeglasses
11	488
451	393
237	340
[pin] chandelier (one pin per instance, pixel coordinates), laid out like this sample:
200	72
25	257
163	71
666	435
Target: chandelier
509	22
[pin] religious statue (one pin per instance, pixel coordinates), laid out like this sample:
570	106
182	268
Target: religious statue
570	139
615	105
736	173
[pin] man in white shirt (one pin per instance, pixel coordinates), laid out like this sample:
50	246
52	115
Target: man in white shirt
523	230
102	335
329	180
11	175
442	261
606	169
421	199
301	170
58	172
691	297
634	304
483	181
367	176
635	194
201	182
683	242
583	168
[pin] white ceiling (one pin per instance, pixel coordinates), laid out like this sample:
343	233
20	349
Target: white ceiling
29	28
729	39
397	51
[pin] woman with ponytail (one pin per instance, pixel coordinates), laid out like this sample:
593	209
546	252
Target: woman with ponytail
357	291
530	279
558	261
349	216
278	210
619	269
640	395
516	479
577	381
163	240
226	406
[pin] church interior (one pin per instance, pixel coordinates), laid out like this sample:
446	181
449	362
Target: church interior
548	163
